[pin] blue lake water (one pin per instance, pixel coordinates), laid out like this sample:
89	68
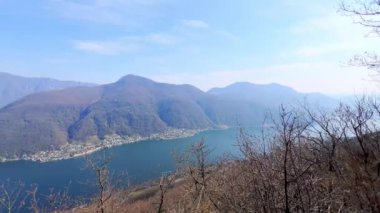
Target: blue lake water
142	161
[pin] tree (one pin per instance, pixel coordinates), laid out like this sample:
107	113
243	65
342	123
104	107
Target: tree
164	185
366	13
100	166
12	196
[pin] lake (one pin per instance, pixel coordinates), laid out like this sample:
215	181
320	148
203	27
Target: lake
142	161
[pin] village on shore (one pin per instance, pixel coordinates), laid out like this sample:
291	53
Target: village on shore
73	150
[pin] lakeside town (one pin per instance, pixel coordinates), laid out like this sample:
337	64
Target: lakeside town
74	150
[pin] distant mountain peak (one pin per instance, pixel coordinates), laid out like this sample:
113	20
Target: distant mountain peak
133	105
4	73
270	95
242	83
245	86
131	78
13	87
245	83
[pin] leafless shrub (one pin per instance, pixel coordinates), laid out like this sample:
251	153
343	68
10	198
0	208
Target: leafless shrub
367	14
12	196
110	186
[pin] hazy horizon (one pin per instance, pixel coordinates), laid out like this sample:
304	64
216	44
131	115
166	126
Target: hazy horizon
335	95
303	45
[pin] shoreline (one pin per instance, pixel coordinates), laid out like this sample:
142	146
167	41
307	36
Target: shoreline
76	150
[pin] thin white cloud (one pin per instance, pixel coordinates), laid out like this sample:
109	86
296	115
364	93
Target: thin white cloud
90	11
194	24
199	24
126	44
331	24
326	48
331	34
120	12
160	38
324	23
105	48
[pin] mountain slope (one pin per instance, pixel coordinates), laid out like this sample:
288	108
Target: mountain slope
131	106
136	105
40	121
271	95
14	87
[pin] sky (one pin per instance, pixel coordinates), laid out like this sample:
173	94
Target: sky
212	43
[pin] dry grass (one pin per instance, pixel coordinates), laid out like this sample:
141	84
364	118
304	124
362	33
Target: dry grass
313	162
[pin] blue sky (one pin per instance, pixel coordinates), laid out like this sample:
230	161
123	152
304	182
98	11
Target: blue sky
212	43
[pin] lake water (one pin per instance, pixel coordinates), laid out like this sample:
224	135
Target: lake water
142	161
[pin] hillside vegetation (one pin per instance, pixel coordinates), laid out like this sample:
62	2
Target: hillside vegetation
131	106
310	161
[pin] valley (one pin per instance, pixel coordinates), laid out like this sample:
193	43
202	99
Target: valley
82	149
72	122
140	106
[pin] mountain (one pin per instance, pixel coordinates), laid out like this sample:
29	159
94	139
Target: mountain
271	95
131	106
14	87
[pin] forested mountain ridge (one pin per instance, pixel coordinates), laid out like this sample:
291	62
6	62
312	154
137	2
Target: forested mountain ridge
14	87
271	95
131	106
